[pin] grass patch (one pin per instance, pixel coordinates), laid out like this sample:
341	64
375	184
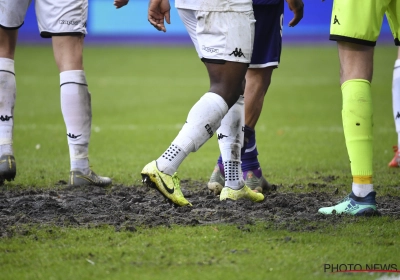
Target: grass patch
207	252
141	97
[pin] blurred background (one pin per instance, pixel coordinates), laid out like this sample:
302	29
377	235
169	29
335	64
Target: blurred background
129	25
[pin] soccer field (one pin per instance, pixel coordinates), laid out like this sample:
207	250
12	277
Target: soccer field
140	99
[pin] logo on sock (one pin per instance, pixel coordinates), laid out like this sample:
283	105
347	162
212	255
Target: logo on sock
398	115
73	136
5	118
209	130
220	136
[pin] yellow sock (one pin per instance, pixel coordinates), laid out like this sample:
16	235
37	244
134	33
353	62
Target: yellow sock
362	180
357	126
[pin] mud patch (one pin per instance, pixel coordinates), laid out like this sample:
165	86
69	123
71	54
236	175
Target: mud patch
127	207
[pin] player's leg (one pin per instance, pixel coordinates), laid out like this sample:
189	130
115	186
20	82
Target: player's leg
8	91
230	140
356	74
230	132
265	58
356	50
12	18
257	83
395	162
226	69
67	30
224	80
202	121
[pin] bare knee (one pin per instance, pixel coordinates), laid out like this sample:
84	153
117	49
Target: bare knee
227	80
258	81
68	52
356	61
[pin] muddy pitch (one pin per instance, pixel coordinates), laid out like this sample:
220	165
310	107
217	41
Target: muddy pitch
126	208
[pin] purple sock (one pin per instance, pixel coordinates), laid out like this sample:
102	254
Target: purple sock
257	172
221	165
249	152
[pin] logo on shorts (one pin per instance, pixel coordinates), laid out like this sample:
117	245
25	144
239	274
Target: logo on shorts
69	22
237	53
210	50
398	115
336	21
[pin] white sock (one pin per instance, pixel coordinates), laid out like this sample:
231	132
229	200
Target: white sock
230	140
77	112
170	160
362	190
203	120
396	97
232	167
8	93
79	164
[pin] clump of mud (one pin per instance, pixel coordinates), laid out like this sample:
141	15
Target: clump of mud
133	206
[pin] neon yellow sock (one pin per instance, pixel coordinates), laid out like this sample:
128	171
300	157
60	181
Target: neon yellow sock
357	125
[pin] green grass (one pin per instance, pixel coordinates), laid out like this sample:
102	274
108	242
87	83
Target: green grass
140	98
211	252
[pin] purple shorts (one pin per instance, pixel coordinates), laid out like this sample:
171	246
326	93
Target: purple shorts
268	35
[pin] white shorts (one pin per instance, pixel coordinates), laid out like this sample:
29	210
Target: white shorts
58	17
220	36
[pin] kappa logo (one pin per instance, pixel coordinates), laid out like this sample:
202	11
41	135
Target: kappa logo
73	136
5	118
397	115
237	53
169	190
221	136
336	20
